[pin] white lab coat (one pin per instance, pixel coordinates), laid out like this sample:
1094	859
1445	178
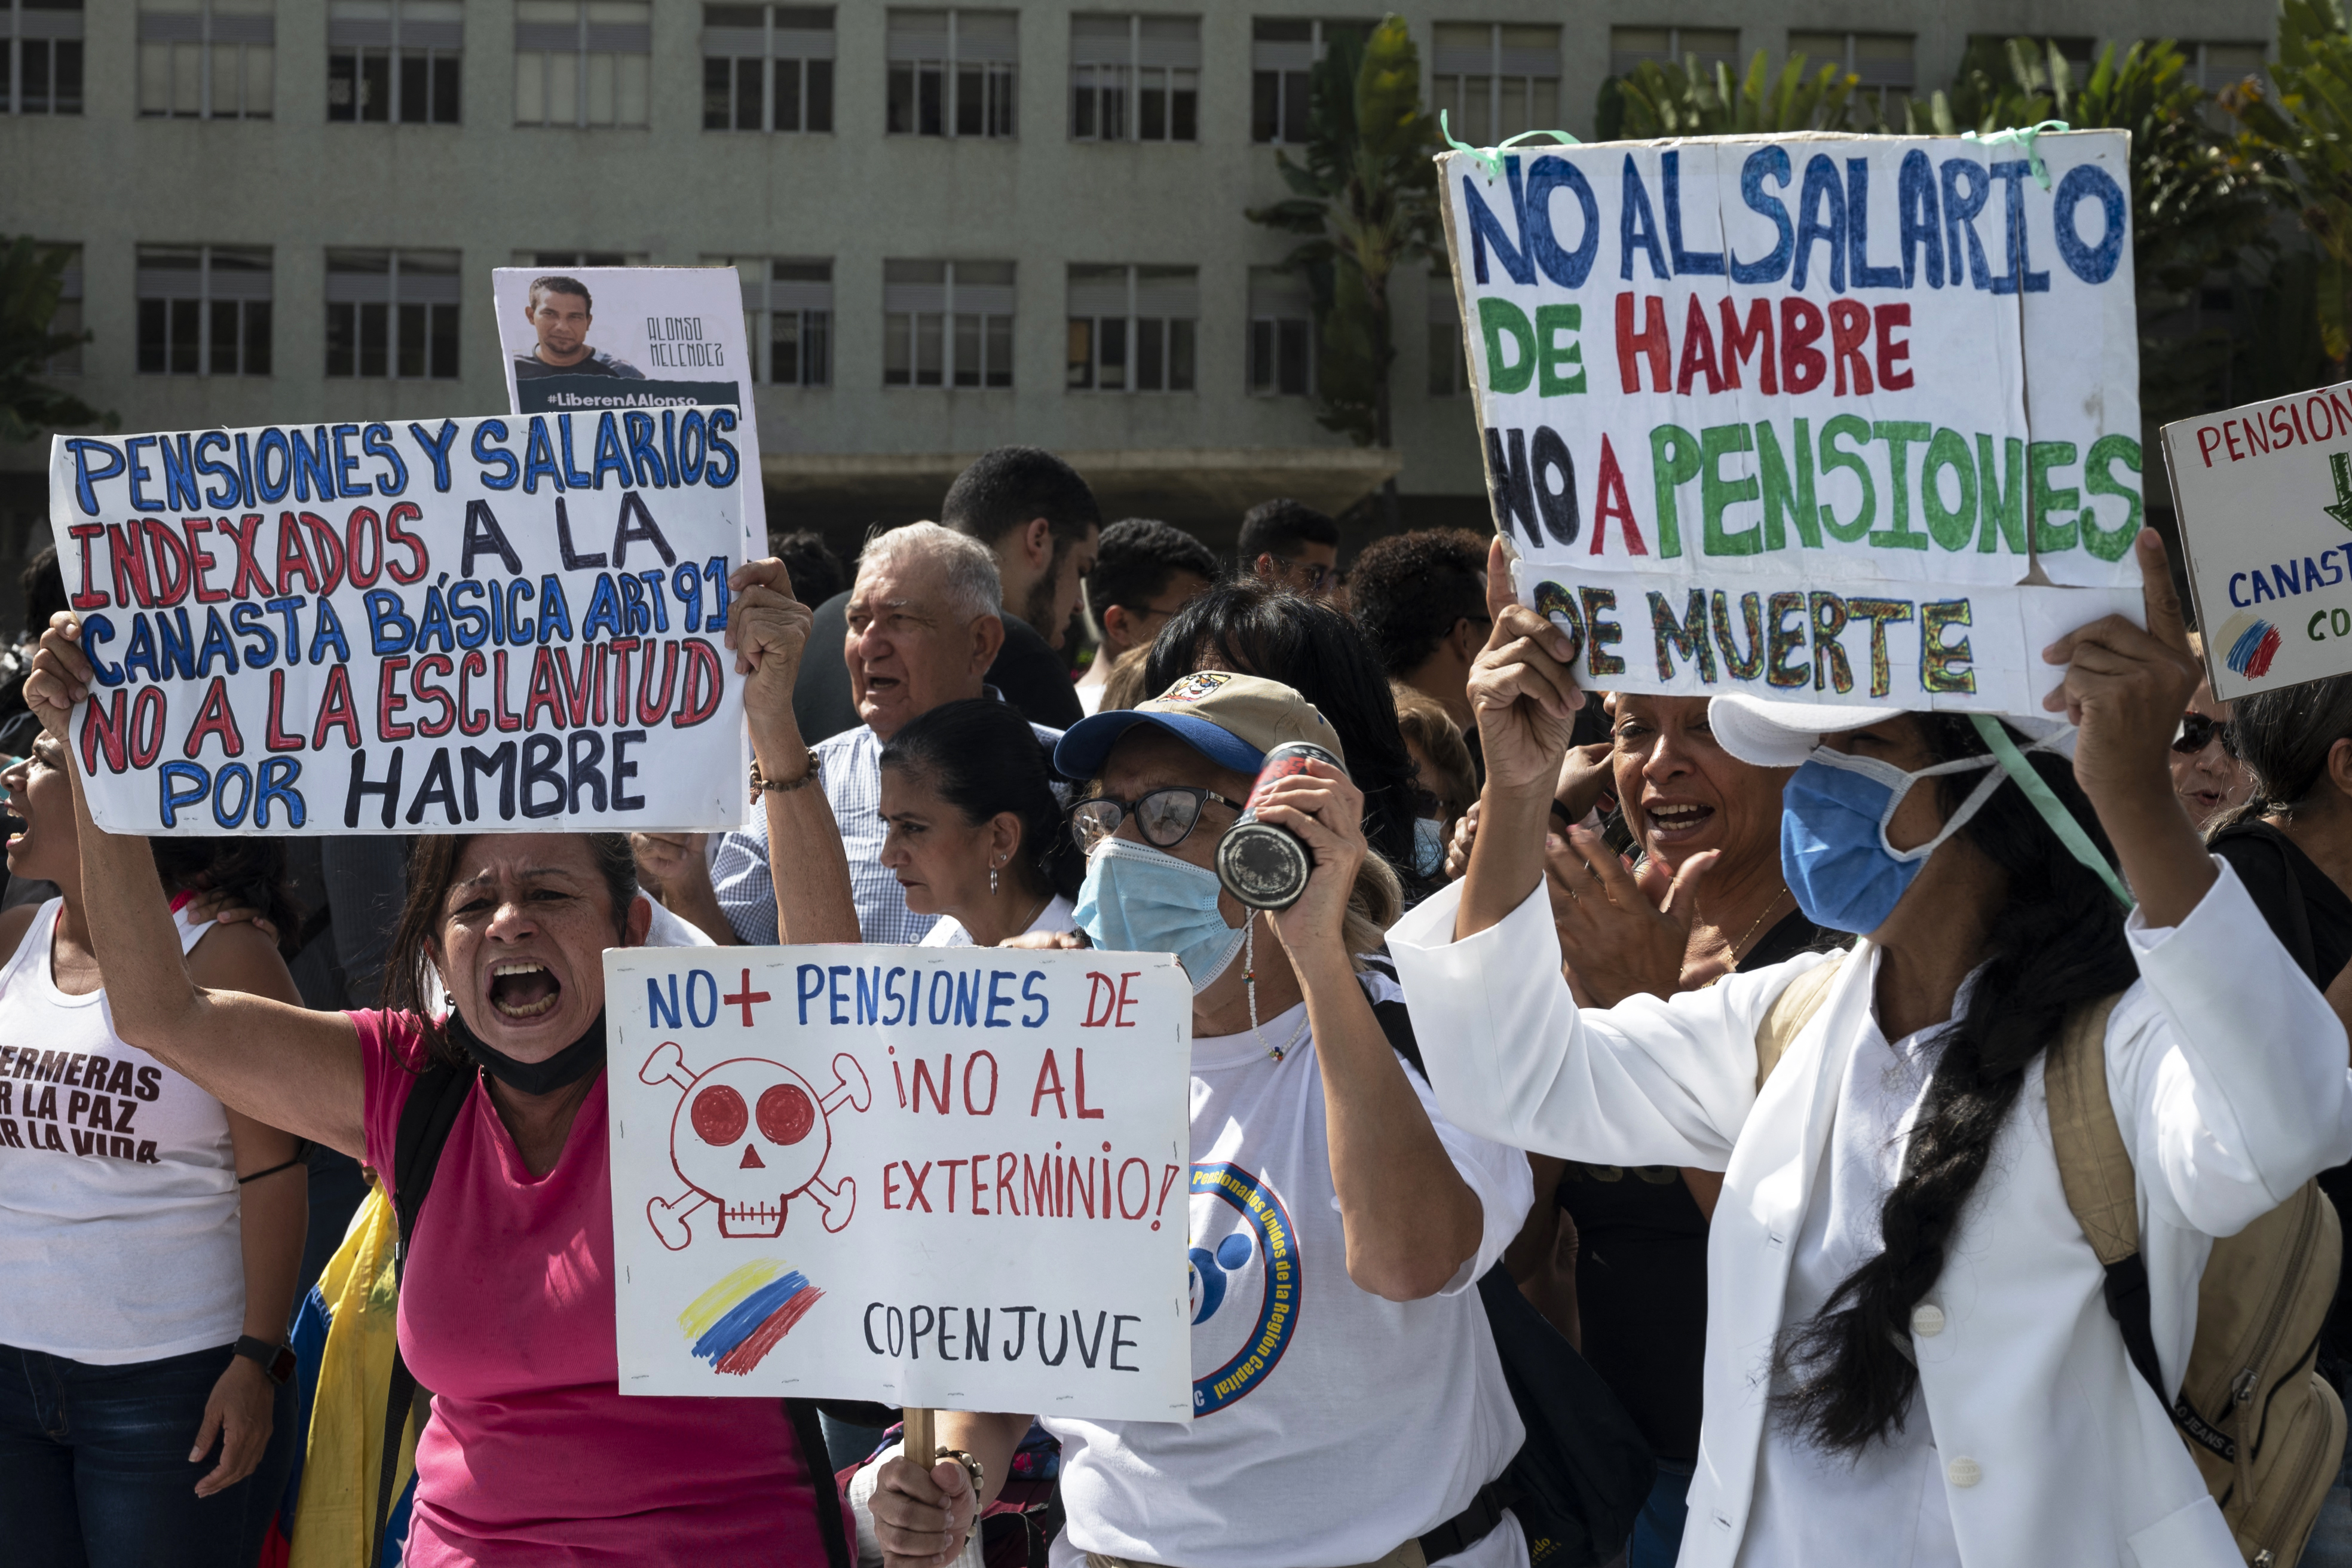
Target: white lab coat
2228	1077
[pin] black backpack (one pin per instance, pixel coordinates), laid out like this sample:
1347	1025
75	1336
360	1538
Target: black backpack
439	1094
1579	1482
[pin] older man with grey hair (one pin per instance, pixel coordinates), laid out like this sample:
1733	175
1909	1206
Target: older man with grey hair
924	624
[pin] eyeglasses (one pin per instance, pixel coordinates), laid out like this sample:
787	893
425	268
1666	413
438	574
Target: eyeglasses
1316	574
1165	816
2197	731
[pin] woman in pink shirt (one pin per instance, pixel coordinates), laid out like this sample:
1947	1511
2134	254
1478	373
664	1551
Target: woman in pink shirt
506	1303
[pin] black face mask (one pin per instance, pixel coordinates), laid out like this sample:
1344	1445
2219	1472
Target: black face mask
568	1066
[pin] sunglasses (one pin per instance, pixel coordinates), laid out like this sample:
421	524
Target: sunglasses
1165	817
2197	731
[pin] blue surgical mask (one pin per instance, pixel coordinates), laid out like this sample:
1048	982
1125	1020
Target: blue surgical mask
1834	853
1137	899
1428	845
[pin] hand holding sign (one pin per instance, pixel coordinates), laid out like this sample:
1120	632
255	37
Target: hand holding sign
1522	687
60	675
2127	689
768	632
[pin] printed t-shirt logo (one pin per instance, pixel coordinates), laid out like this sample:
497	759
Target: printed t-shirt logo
1193	688
1246	1288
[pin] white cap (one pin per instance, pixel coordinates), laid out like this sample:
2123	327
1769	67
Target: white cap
1769	734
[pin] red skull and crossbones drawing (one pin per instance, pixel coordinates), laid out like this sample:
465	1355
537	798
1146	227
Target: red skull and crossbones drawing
750	1135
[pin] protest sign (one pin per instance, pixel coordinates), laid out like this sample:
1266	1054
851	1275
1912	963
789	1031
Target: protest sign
485	624
632	328
2265	512
950	1177
1797	415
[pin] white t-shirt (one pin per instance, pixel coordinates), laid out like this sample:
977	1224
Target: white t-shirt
118	1182
1330	1425
1811	1507
1058	915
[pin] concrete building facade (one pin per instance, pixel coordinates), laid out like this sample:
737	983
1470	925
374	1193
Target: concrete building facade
957	227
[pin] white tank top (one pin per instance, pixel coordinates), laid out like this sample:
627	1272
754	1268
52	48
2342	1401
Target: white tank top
118	1185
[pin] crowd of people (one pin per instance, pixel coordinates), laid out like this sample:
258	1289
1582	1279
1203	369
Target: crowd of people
1740	1052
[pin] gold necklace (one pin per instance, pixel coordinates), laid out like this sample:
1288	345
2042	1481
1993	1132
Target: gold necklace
1752	929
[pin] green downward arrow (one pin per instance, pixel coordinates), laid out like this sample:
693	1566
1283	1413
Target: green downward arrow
2339	464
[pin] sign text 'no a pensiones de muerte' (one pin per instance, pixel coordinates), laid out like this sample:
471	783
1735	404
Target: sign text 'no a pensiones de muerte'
1815	418
408	627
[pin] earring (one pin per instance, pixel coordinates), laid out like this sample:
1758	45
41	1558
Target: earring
992	882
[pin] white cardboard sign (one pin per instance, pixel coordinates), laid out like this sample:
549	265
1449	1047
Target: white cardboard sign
2263	494
1798	416
400	626
947	1177
656	337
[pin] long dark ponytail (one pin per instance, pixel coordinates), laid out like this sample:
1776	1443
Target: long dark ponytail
2057	942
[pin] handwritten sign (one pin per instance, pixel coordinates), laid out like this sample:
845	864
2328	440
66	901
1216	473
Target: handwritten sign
2265	498
636	337
947	1177
1819	419
510	623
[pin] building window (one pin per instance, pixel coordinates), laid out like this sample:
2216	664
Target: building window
1881	61
206	59
951	72
393	314
1282	56
1132	329
569	258
394	60
583	62
66	320
204	310
767	67
947	323
40	69
1135	79
1988	50
788	317
2216	66
1281	334
1495	81
1449	372
1711	46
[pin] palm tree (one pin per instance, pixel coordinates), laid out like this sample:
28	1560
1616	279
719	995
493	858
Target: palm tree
32	279
1366	196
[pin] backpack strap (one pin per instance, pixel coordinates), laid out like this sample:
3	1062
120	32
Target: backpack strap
802	1415
1791	1011
2095	1167
425	1120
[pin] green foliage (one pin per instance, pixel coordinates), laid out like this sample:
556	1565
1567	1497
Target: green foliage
2201	197
32	279
1364	196
2305	118
1671	100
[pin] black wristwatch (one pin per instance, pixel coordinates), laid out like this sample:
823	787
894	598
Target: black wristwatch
278	1361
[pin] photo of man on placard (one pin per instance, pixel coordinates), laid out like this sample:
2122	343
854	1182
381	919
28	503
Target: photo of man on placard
561	313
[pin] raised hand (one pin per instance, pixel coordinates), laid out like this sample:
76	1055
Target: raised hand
768	629
61	675
1619	943
1326	809
2126	690
1523	690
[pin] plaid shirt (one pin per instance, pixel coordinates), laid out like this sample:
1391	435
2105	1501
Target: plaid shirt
851	777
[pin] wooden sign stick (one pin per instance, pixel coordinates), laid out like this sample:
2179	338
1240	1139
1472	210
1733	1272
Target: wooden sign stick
922	1444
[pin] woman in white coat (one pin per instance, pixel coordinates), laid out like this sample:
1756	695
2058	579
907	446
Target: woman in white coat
1910	1360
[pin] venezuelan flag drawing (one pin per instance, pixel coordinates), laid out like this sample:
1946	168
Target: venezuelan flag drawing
2250	643
735	1323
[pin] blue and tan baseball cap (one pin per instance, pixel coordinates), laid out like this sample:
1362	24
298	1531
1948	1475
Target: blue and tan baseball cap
1231	720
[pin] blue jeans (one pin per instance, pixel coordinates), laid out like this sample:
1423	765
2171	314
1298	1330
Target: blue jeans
94	1470
1658	1531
